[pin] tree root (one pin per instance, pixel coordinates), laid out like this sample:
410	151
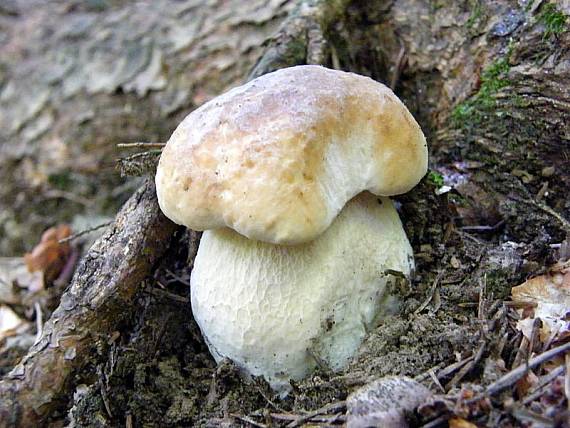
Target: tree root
97	300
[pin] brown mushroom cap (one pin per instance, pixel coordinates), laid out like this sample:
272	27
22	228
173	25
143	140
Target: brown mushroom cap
277	158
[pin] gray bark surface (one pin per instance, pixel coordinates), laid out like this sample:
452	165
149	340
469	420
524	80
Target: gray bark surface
77	78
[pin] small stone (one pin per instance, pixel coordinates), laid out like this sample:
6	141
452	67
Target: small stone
456	264
507	24
385	402
548	171
70	353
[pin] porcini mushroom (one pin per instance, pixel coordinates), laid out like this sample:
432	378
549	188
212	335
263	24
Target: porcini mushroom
280	173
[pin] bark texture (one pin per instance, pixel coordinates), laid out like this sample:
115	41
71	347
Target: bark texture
76	78
490	79
106	282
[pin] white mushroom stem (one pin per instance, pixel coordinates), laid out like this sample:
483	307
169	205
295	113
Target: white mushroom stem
277	311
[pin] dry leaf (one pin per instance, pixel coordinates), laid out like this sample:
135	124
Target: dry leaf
49	256
460	423
524	384
549	296
10	322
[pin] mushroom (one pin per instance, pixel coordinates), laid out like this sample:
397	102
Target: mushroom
281	174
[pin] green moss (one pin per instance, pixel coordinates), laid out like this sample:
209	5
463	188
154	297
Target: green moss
96	5
61	181
438	4
435	178
493	79
476	14
553	20
457	199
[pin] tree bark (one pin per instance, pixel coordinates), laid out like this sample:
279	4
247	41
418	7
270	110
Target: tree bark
76	78
489	82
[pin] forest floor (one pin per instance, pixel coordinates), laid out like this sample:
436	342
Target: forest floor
457	334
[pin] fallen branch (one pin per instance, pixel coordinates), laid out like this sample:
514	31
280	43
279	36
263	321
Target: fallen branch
141	144
103	286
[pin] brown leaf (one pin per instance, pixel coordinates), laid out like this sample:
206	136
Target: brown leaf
49	255
460	423
524	384
549	296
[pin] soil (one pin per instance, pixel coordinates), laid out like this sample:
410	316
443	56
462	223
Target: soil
177	383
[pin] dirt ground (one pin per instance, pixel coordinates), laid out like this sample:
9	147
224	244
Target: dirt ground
177	383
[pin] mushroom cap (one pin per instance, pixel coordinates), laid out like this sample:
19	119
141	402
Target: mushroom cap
277	158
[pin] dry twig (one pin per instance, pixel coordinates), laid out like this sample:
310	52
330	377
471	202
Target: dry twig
431	293
538	390
248	420
85	232
466	368
454	367
514	375
332	407
142	144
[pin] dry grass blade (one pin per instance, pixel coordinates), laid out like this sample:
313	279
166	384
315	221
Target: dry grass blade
454	367
333	407
567	380
248	421
426	374
172	296
142	144
522	352
431	293
284	416
436	381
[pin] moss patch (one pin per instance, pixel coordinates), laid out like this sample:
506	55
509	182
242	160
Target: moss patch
553	20
435	178
493	79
